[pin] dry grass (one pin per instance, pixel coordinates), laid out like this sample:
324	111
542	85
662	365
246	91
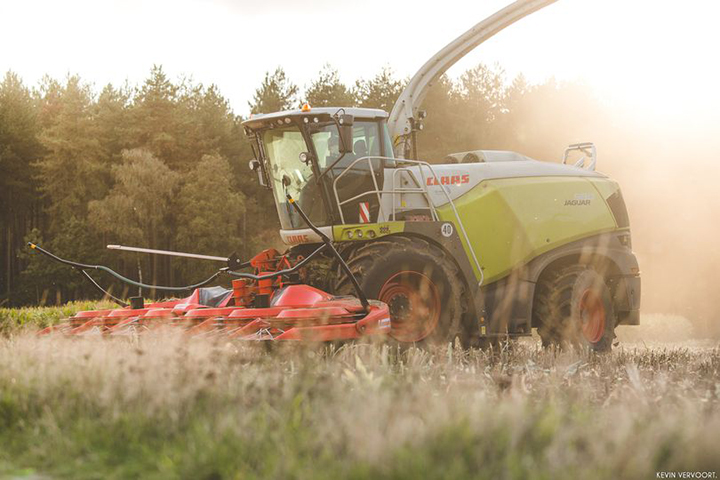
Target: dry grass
166	407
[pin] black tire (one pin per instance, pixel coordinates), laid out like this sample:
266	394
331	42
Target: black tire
418	281
574	309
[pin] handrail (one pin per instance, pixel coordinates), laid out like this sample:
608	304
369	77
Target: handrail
377	191
582	147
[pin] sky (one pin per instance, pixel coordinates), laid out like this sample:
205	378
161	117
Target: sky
655	57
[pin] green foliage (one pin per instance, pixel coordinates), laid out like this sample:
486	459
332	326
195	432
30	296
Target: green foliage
19	150
46	282
481	90
328	91
19	147
139	204
380	91
79	171
163	164
479	98
13	320
437	139
156	117
210	212
74	169
276	93
113	122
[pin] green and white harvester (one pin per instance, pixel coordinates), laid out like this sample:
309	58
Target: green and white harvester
482	246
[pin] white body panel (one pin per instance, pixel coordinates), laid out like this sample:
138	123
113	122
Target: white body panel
459	178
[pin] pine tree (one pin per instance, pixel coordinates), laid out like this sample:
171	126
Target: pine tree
437	140
112	115
328	91
276	93
379	92
74	169
482	90
19	149
479	98
210	212
157	121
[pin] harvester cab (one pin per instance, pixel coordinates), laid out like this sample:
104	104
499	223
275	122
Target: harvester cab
302	153
487	245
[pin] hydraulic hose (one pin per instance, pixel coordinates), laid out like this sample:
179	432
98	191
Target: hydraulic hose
328	243
279	272
83	266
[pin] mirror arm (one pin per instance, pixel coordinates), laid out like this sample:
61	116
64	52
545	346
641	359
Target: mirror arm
342	139
263	178
339	129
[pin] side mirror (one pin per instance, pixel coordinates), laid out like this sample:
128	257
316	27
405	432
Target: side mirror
256	166
345	124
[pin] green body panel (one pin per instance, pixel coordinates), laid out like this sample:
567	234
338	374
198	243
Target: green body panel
604	186
511	221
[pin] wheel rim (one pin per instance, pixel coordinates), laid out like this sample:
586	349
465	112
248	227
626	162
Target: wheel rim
592	316
414	304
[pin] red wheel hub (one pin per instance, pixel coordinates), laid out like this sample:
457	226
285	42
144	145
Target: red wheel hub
414	304
592	316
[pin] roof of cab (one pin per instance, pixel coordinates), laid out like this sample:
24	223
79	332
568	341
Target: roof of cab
259	119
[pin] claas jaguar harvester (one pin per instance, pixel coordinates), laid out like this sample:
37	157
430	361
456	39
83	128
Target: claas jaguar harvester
483	246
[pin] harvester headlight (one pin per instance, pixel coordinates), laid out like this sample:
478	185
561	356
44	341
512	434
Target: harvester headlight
306	119
303	157
625	240
349	234
287	120
358	233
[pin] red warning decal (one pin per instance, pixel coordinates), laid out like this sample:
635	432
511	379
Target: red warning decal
364	212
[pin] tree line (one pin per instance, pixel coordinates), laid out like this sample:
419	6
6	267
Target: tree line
164	164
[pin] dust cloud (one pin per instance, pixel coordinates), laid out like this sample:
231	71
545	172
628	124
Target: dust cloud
668	168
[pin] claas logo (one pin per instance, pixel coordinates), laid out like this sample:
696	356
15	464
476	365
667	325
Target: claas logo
449	180
297	239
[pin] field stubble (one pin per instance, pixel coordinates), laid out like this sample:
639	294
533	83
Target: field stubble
168	407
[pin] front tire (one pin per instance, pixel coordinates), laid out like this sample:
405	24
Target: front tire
418	281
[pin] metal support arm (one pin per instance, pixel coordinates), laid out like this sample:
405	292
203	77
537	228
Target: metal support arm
405	110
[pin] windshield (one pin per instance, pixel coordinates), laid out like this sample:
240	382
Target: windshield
366	142
288	174
357	181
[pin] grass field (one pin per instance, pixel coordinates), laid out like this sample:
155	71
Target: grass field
175	408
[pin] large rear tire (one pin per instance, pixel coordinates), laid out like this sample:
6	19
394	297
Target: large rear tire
574	308
417	280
